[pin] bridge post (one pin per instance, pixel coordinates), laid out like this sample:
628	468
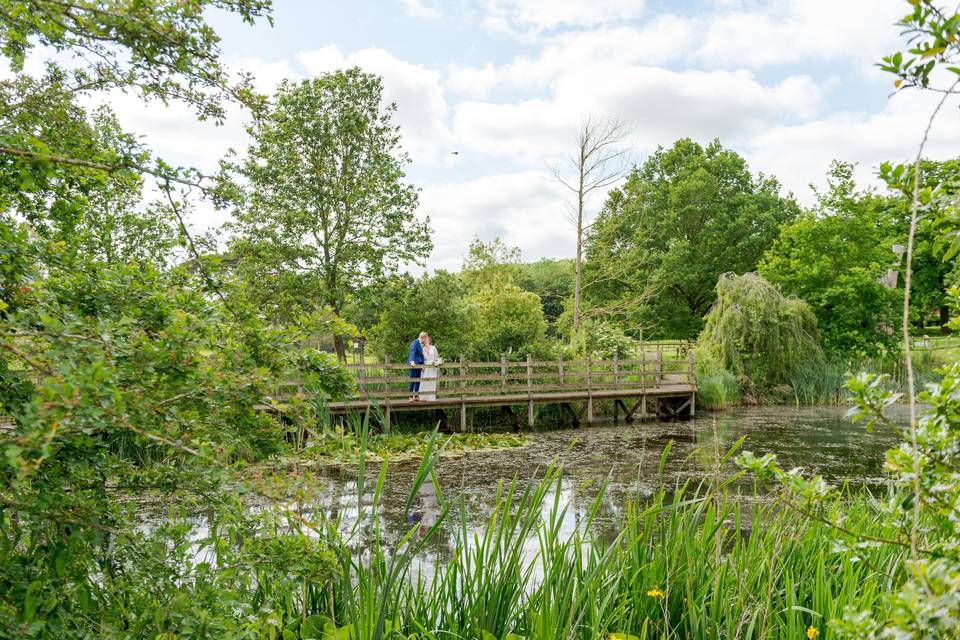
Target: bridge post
643	367
529	391
691	378
590	389
616	386
503	374
463	388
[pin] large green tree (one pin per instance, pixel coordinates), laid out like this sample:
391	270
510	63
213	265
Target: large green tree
326	208
686	215
835	256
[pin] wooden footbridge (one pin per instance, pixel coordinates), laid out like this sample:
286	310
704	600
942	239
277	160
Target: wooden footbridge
657	382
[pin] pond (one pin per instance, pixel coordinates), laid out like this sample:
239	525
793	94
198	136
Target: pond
626	457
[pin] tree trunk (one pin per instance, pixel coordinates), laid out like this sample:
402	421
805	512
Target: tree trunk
944	318
340	347
578	270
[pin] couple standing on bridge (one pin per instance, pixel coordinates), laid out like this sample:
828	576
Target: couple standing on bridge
424	362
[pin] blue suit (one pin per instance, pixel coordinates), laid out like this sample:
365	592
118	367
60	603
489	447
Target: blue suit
416	357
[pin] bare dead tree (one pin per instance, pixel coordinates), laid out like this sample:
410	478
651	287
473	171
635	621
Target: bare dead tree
599	162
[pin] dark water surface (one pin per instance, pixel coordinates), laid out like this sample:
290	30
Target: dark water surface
820	440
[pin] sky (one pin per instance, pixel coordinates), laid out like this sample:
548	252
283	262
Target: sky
789	84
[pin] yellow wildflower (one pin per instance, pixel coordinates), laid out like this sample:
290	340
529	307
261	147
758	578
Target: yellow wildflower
655	593
812	632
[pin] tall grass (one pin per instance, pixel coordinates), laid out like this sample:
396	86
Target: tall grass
687	562
717	391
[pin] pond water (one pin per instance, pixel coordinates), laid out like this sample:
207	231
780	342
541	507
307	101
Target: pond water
627	457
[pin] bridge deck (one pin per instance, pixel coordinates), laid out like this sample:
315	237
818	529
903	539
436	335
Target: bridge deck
659	371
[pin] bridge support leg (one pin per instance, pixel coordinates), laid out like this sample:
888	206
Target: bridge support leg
643	408
693	405
530	414
463	417
574	420
589	410
386	419
510	417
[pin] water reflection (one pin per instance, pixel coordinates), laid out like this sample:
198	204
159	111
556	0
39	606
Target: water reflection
627	457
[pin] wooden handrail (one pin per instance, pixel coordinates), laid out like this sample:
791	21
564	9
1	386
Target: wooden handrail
652	365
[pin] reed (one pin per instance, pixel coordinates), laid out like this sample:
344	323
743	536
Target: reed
689	561
717	391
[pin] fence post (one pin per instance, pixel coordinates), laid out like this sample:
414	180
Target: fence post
658	368
463	389
503	374
362	375
560	369
590	389
643	368
691	375
529	391
386	374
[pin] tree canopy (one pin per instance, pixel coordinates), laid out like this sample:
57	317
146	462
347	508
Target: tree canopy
834	258
325	209
685	216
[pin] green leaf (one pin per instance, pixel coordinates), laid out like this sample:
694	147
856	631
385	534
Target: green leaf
313	628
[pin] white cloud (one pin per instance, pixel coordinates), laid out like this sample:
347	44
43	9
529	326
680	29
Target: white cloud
663	105
529	17
418	9
800	154
790	31
659	40
525	209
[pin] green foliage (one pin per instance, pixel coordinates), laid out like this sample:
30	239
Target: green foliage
338	447
682	564
552	280
757	334
833	259
602	340
162	50
510	320
436	304
325	210
687	215
922	509
717	390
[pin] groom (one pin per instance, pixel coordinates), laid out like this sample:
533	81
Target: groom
416	360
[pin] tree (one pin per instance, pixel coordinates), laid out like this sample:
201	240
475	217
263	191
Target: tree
684	217
436	304
552	280
488	263
599	162
510	321
834	258
757	334
326	210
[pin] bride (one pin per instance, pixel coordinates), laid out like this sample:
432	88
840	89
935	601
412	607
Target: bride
431	370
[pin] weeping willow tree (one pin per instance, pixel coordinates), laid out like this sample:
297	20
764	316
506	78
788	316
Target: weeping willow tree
757	334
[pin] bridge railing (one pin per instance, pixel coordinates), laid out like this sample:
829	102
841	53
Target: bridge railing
654	366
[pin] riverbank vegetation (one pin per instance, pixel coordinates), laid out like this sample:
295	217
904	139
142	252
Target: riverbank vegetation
134	357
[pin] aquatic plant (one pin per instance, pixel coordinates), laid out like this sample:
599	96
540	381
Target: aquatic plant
717	391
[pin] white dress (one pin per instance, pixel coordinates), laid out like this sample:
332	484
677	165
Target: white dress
428	380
